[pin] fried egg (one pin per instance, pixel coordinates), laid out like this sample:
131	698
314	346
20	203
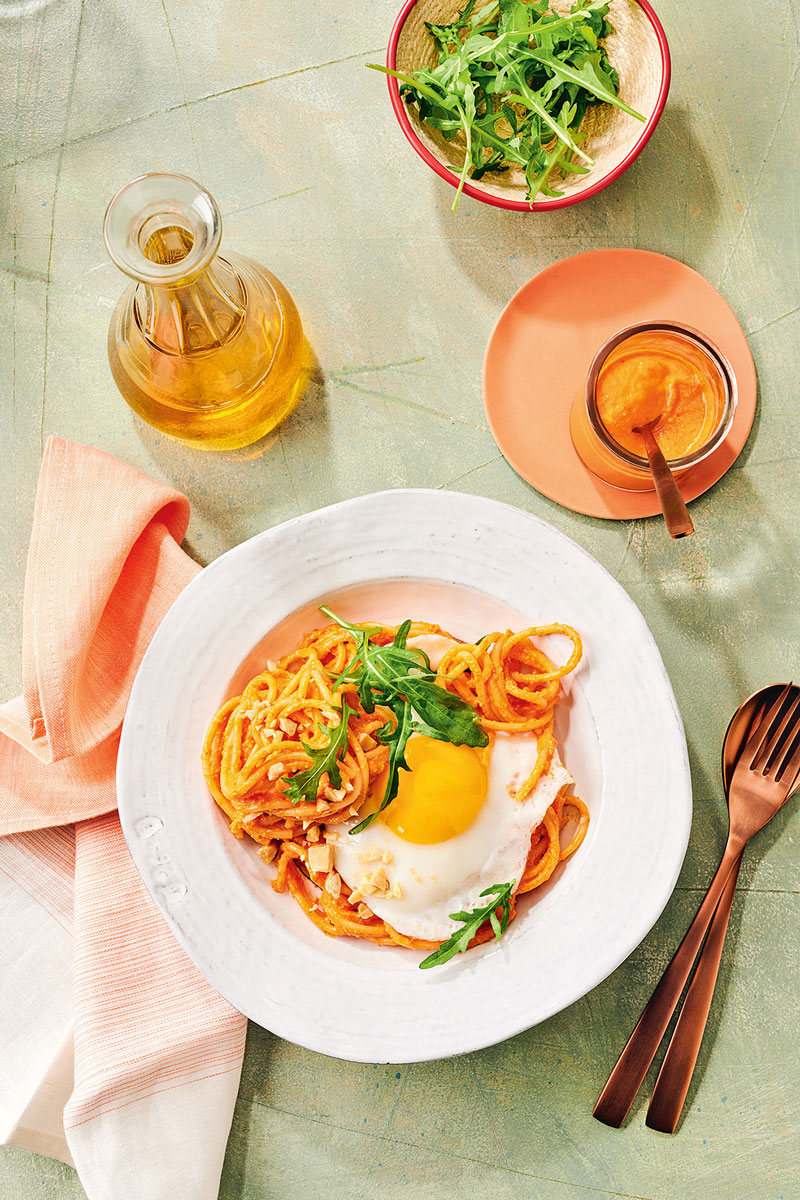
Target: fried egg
454	829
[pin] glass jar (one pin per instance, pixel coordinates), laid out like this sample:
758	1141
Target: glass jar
206	348
619	465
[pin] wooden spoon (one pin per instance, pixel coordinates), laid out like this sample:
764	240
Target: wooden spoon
676	515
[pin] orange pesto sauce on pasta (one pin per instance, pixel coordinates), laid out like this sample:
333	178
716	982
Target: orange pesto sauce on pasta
262	740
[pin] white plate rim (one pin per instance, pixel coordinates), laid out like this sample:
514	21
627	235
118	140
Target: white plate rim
155	844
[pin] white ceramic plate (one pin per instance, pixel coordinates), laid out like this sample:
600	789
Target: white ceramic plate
619	732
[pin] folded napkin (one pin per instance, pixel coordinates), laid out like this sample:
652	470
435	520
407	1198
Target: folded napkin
115	1054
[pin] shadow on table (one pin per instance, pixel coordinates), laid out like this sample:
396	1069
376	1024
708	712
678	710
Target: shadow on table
732	575
752	437
220	483
672	178
731	569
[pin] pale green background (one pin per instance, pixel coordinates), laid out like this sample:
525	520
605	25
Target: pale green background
270	106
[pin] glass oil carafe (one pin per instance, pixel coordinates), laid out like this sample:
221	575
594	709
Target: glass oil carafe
206	348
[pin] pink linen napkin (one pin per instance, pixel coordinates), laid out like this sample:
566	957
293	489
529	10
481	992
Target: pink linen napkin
117	1056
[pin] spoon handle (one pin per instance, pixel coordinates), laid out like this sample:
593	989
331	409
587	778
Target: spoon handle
678	1066
633	1063
673	506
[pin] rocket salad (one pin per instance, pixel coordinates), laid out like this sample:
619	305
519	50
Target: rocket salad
516	79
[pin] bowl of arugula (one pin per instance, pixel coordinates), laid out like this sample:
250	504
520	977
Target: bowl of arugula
528	105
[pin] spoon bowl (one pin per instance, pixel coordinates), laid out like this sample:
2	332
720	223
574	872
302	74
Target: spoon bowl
742	724
766	769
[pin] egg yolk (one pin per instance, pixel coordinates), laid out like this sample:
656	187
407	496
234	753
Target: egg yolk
441	793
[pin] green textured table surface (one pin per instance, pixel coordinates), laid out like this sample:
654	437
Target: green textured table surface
270	106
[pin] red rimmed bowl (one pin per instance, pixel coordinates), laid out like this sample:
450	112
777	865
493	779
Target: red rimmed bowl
637	50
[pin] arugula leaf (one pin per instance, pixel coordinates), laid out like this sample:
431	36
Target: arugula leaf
586	77
447	717
374	669
494	163
305	785
400	677
384	674
514	17
447	34
531	100
459	941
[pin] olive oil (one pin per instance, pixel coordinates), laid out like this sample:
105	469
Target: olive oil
206	348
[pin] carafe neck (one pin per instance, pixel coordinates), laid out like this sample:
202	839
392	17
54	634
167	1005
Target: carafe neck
164	231
193	317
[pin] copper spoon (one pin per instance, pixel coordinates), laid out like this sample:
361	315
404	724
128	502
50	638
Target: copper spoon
760	783
673	506
679	1062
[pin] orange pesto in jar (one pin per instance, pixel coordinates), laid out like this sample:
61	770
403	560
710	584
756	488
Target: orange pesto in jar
658	373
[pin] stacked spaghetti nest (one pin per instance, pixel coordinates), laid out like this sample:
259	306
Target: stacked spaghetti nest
256	745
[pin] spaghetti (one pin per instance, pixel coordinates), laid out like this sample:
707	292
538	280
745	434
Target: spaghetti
258	741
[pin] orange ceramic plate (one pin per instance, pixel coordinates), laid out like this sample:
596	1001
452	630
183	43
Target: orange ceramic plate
544	341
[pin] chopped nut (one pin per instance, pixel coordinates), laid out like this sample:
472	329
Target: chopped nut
305	826
333	885
369	856
375	883
271	666
312	834
388	857
320	858
268	851
397	891
331	835
289	727
353	811
321	805
355	897
367	742
273	734
365	913
335	795
275	771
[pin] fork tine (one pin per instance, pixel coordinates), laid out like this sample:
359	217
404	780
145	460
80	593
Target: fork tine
780	739
765	728
786	769
795	779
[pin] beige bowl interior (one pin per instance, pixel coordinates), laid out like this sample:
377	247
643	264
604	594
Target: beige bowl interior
611	134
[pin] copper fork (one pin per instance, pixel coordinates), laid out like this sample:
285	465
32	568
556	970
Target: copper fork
761	782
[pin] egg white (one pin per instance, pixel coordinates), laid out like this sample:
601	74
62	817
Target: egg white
445	877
